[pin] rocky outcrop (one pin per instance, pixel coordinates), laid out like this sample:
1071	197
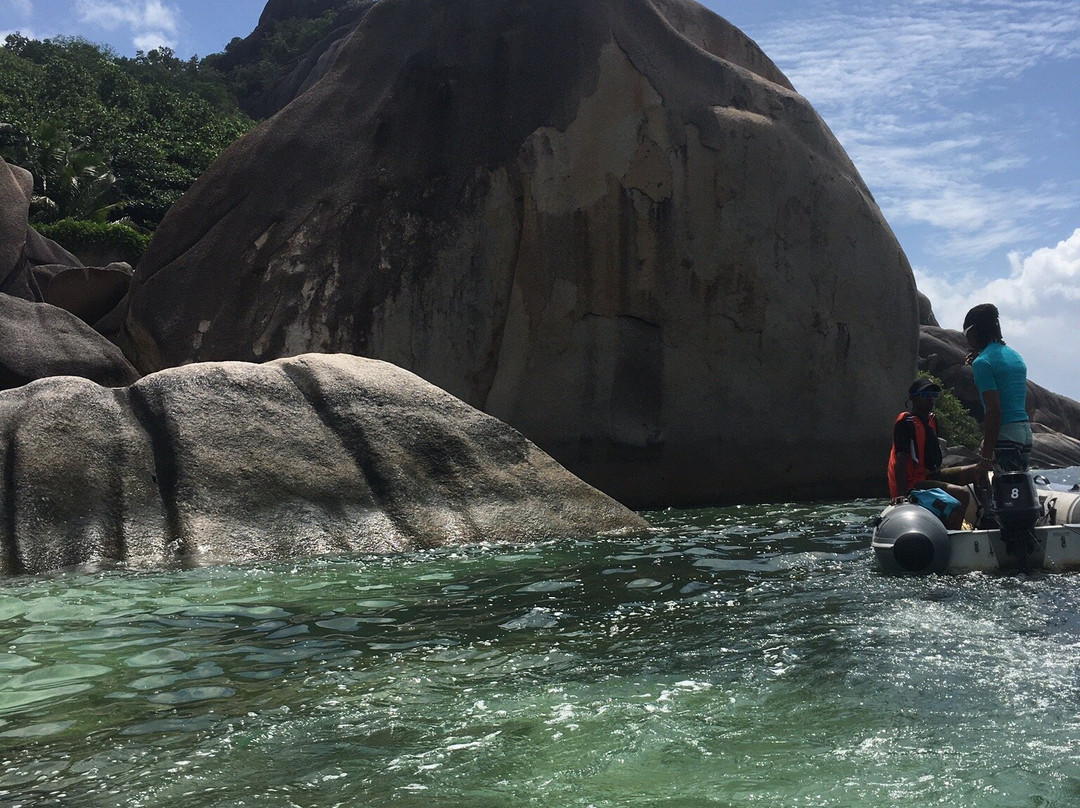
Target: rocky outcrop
39	270
280	83
231	461
343	16
38	340
48	300
89	293
610	223
1055	418
16	188
1052	449
926	312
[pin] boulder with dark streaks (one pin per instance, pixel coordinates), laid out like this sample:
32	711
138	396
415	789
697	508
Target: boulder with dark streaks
234	461
613	224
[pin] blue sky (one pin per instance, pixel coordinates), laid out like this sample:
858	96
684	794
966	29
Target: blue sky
961	115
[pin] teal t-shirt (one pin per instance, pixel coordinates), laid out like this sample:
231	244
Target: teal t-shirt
1001	368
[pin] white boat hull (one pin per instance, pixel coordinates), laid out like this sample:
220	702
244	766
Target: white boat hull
1057	550
910	540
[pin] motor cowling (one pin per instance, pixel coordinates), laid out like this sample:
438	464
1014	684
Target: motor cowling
1016	500
1017	510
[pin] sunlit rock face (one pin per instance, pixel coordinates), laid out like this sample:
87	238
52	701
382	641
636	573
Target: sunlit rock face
611	223
234	461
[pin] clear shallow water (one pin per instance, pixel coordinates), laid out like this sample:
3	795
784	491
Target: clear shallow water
735	657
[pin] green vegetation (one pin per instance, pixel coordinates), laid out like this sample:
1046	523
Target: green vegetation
80	236
107	136
71	182
250	69
955	423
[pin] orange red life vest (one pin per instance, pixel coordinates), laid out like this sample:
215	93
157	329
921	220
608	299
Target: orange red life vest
916	457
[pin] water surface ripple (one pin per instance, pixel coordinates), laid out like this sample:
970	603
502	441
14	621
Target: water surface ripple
734	657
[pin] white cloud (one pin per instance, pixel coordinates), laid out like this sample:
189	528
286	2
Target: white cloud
1039	301
151	22
152	40
906	87
922	52
961	117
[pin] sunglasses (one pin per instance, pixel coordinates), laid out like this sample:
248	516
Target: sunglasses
931	394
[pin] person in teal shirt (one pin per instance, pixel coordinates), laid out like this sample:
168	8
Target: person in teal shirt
1001	376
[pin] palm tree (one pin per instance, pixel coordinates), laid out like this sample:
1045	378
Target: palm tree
69	182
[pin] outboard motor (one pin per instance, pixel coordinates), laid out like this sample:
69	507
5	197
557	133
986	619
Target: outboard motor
909	539
1017	509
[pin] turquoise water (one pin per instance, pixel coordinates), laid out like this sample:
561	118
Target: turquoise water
747	656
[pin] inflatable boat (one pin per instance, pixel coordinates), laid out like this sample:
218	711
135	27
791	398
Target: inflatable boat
1027	523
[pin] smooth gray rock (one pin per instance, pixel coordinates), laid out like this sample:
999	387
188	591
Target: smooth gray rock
87	292
39	270
44	251
231	462
1052	450
1049	450
610	223
14	221
926	311
38	340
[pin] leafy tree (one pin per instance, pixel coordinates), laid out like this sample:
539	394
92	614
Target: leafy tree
70	183
147	126
955	423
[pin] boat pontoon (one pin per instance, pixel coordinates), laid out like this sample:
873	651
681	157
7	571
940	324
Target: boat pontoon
1027	523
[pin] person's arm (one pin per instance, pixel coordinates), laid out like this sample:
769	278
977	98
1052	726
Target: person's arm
991	429
903	437
901	476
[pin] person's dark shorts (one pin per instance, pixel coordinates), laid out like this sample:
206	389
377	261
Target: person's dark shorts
1012	452
1012	457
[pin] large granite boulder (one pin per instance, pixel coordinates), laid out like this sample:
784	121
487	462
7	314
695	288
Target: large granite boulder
38	340
232	461
1055	418
611	223
1052	449
90	293
39	270
16	188
926	312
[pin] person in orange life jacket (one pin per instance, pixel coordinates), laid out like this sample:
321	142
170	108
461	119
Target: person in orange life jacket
916	453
